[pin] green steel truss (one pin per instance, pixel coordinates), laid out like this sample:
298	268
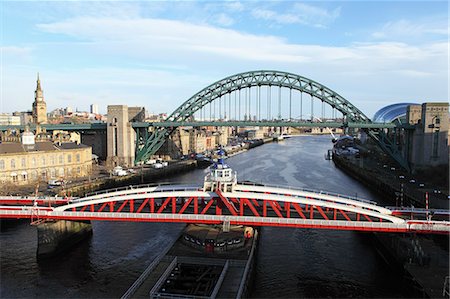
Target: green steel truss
240	81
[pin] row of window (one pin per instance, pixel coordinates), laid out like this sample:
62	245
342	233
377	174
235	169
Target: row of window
53	158
51	173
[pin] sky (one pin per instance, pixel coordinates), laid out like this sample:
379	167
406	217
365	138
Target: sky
158	54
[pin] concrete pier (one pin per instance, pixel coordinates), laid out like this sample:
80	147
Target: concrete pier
57	236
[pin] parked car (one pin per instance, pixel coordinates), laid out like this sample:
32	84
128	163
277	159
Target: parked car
157	165
150	161
55	183
121	173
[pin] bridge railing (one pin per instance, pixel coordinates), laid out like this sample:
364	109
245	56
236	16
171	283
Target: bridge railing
124	188
310	190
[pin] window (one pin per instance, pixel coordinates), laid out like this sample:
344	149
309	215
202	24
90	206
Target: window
78	157
44	175
61	159
14	178
24	163
34	175
52	160
78	170
2	164
33	162
52	173
438	121
61	172
13	163
24	176
43	161
69	158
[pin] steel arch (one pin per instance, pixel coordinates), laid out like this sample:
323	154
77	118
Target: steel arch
267	78
246	80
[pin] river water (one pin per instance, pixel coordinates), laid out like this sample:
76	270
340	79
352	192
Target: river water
290	262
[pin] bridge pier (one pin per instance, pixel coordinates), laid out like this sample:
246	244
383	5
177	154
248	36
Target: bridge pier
57	236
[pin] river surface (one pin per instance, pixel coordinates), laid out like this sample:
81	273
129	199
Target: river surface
291	262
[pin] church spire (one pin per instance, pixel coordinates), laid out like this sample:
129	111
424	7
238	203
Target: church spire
38	82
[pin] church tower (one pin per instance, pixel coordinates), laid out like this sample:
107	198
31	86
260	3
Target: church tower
39	106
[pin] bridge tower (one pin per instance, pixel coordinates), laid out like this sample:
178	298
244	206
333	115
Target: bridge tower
120	137
39	105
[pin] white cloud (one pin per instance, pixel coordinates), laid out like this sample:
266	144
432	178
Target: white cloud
234	6
223	20
401	29
175	59
300	13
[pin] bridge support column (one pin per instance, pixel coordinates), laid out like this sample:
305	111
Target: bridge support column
121	138
57	236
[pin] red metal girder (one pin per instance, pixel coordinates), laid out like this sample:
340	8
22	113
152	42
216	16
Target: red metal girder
226	202
358	217
152	205
111	206
165	203
322	213
122	206
83	208
367	217
102	207
131	205
208	205
174	205
241	207
142	205
252	208
277	204
311	212
274	207
186	204
264	208
92	208
298	208
218	206
255	202
234	200
287	208
345	215
334	214
74	209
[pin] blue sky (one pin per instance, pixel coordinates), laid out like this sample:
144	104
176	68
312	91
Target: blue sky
158	54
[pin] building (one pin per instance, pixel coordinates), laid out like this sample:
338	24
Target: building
94	108
39	106
29	161
429	142
26	117
9	120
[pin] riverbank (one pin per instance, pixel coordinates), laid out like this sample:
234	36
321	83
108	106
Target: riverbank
388	183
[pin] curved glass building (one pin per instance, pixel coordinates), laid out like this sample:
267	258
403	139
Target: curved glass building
391	113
